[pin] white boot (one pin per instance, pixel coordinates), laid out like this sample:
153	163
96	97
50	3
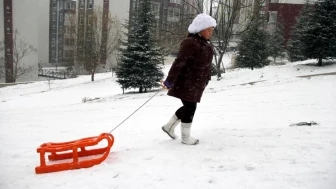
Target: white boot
169	128
185	133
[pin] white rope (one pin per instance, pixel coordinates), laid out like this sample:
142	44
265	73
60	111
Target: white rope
135	111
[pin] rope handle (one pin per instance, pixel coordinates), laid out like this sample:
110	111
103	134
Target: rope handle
162	88
162	85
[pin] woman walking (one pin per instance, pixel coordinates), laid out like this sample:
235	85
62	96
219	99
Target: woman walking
189	75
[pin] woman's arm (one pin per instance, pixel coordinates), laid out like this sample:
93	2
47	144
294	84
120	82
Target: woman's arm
186	51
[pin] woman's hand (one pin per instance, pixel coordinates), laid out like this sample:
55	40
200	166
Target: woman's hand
166	85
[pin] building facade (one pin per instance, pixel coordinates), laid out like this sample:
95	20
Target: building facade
8	39
26	19
61	41
286	12
172	18
70	30
167	12
272	10
33	20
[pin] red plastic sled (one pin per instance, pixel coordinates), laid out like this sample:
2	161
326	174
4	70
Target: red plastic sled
73	146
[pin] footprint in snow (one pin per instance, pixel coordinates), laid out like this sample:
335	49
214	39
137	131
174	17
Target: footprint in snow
210	181
249	168
149	158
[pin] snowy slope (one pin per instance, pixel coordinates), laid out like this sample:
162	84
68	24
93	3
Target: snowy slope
243	123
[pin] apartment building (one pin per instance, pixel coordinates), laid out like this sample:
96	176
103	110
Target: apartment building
167	12
70	23
26	18
85	21
284	11
8	38
61	41
34	20
172	18
272	10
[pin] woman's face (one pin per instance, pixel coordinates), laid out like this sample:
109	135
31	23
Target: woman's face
207	33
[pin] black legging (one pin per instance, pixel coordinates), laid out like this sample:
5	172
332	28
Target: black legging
186	112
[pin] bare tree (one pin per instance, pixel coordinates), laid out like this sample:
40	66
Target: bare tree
21	49
233	17
172	25
70	34
101	40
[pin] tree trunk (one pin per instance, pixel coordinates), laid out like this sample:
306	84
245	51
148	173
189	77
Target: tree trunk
319	62
92	75
93	72
140	89
274	59
219	73
219	76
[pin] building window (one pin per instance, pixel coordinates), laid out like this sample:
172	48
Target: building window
9	31
176	13
67	30
71	54
61	30
81	4
8	9
73	29
54	16
61	5
60	54
66	54
81	20
175	1
156	24
61	18
173	14
170	12
68	5
69	42
72	41
70	29
60	42
90	4
156	8
73	5
89	19
53	42
273	17
88	36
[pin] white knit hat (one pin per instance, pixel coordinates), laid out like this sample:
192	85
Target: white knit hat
201	22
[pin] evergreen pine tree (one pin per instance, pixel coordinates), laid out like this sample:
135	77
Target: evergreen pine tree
276	43
141	56
296	45
252	50
320	37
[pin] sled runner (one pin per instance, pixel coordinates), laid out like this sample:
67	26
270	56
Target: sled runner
60	151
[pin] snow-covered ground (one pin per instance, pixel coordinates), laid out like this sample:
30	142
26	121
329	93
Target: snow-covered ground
243	123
